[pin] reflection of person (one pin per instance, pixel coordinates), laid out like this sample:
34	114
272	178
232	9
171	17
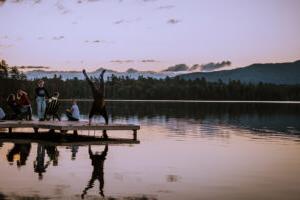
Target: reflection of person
52	153
39	164
19	153
41	93
98	173
73	114
24	103
74	151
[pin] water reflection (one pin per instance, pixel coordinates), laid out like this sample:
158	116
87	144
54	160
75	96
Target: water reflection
19	153
97	161
279	118
74	151
39	164
201	151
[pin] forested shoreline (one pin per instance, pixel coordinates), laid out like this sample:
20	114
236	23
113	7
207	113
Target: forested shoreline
153	89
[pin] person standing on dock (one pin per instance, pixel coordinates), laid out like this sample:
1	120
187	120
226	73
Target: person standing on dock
41	93
98	107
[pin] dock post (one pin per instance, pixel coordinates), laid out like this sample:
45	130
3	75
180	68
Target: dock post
10	130
75	132
36	130
134	135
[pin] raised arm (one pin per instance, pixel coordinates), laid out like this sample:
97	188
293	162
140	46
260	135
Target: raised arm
104	152
88	79
90	151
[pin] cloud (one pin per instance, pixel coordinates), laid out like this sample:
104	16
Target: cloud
60	6
149	61
166	7
149	0
58	37
119	21
122	21
5	46
96	41
33	67
173	21
176	68
122	61
210	66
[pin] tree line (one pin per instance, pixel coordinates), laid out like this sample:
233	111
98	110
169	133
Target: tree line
149	88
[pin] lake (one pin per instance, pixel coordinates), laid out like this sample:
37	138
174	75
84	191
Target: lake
187	150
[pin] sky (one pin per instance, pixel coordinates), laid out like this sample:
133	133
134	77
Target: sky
147	34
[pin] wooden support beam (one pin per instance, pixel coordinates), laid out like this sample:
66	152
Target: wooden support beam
36	130
9	129
134	135
75	132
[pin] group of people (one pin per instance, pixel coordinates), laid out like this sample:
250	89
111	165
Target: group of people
48	105
20	106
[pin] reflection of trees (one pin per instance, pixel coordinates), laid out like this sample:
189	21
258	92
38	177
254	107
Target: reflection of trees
98	173
194	110
257	116
19	153
40	165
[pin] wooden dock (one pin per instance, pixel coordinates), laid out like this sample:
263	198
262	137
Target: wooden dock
64	126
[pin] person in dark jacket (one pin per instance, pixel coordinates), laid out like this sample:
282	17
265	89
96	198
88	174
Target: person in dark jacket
40	95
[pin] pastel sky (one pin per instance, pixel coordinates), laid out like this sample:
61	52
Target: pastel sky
147	34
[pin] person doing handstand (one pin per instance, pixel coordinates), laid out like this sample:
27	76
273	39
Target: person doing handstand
98	91
98	107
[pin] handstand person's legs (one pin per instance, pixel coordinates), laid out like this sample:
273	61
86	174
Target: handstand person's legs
104	114
91	115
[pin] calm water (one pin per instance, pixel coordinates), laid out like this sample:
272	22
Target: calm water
187	151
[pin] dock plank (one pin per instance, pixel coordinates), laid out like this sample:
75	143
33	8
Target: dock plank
65	126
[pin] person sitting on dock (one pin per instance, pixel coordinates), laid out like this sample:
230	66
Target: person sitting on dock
98	173
2	114
52	107
98	106
73	114
24	103
12	103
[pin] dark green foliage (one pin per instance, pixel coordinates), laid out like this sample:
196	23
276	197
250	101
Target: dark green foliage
169	88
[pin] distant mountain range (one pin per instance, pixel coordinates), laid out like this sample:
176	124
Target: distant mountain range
276	73
131	73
